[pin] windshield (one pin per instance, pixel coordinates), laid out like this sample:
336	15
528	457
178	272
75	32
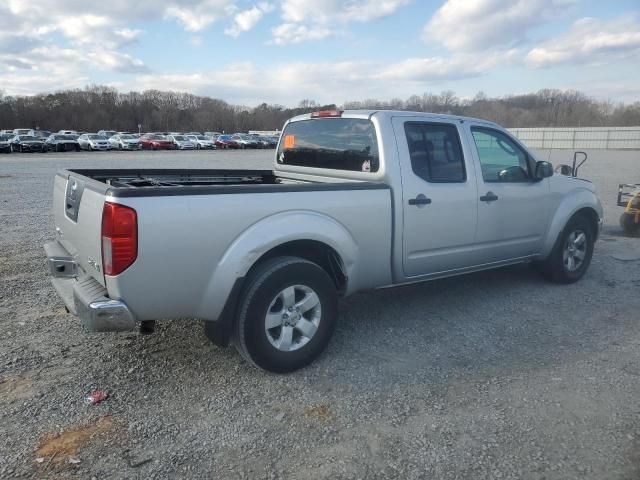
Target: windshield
201	137
127	137
95	137
336	143
27	138
224	137
64	137
179	138
4	136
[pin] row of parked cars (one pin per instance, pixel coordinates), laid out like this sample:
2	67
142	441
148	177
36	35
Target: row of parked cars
28	140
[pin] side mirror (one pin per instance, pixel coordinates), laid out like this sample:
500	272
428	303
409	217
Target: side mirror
543	170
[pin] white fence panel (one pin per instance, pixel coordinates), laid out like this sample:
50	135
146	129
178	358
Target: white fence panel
605	138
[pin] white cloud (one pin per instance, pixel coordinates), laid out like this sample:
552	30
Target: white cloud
326	11
324	81
196	16
94	38
450	68
590	41
247	19
295	33
315	20
463	25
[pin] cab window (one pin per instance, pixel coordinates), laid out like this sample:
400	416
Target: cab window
435	152
335	143
501	159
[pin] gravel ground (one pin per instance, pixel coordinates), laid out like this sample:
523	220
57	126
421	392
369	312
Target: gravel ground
492	375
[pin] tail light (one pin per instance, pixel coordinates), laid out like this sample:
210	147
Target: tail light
326	114
119	238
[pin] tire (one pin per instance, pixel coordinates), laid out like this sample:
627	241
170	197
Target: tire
628	224
558	267
270	288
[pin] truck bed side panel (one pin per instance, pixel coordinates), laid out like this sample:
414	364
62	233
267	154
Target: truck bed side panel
182	239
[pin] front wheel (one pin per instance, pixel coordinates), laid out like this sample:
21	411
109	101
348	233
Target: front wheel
571	255
287	314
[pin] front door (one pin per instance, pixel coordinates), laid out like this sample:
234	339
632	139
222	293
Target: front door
439	196
513	212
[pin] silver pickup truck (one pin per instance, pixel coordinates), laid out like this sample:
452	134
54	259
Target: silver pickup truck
356	200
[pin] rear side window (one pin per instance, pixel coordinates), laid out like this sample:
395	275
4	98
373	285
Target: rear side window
435	151
334	143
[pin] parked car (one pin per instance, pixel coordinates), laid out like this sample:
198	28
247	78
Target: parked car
93	141
27	143
40	133
245	141
212	134
155	141
193	133
181	142
267	142
5	142
227	141
107	133
202	142
68	132
356	200
9	132
62	143
124	142
23	131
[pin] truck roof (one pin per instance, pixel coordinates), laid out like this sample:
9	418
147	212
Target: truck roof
399	113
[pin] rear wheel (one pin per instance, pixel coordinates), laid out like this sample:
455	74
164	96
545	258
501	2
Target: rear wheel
571	255
287	314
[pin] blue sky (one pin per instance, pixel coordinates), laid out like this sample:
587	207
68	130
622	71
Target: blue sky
283	51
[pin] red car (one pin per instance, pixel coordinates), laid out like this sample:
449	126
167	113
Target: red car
154	141
226	141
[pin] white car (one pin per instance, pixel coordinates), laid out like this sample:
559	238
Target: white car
22	131
202	142
124	141
93	141
181	142
67	132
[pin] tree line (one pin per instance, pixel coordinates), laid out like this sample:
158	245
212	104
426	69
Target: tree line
98	107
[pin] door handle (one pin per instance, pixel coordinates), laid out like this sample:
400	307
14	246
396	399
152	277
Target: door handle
420	200
489	197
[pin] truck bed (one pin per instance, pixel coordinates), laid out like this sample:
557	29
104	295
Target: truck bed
170	182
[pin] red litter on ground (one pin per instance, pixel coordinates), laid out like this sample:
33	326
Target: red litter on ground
96	397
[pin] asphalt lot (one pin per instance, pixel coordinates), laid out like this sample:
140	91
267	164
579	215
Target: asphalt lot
492	375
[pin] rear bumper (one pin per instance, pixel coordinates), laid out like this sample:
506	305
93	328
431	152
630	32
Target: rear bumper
84	296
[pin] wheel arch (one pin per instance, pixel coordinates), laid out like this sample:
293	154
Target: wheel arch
582	203
315	251
307	234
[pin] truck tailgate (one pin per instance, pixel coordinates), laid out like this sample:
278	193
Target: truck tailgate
78	220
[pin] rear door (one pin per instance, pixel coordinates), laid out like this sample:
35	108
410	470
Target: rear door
439	196
513	212
78	221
